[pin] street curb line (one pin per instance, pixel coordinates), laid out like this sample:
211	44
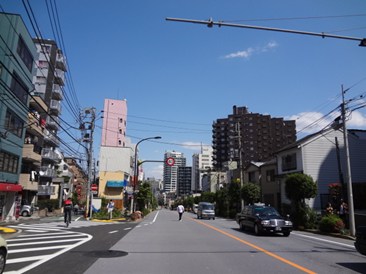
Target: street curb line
7	230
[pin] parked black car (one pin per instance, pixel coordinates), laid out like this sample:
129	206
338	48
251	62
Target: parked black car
262	218
360	242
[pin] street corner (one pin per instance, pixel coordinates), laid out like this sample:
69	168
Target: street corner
7	230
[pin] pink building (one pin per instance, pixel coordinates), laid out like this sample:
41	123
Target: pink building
114	123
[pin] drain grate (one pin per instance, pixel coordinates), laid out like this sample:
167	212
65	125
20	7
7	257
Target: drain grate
107	253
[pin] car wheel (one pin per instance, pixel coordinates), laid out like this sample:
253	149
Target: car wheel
213	218
286	234
25	214
2	260
242	226
257	230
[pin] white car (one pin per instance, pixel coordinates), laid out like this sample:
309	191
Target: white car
3	254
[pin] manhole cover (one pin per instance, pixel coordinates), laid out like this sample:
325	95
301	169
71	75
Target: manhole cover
107	253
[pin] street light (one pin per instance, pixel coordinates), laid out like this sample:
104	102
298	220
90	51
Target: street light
136	170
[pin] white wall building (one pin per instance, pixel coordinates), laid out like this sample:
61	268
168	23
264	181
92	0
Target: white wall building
171	172
201	162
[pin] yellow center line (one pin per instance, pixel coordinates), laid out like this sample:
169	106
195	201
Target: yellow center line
258	248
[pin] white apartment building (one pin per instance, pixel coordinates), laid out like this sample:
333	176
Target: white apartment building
201	163
171	172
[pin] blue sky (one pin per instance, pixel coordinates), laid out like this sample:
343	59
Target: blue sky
179	77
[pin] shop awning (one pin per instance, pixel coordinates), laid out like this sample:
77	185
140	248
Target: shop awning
10	187
117	183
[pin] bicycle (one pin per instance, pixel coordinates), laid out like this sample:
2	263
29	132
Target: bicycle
67	216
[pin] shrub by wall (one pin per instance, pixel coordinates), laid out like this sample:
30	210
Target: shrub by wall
331	224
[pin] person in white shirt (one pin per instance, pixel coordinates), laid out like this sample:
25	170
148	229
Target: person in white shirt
180	210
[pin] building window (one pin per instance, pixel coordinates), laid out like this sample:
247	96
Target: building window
13	123
270	175
19	88
8	162
251	176
121	120
120	131
289	162
24	53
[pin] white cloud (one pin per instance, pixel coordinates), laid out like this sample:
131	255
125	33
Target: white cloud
311	122
250	51
357	119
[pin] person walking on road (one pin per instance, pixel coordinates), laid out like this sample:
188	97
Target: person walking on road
110	208
180	210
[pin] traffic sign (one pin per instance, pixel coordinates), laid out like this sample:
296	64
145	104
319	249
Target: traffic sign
94	187
170	161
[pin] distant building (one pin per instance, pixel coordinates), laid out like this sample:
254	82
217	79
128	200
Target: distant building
201	164
245	137
171	172
184	180
114	123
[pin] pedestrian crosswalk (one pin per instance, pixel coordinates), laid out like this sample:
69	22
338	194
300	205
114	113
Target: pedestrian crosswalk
38	243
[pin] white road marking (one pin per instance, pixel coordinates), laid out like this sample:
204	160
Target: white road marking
156	216
111	232
323	240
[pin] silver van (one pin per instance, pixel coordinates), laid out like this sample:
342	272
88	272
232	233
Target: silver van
205	210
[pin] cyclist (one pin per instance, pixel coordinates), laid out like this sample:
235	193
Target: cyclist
67	209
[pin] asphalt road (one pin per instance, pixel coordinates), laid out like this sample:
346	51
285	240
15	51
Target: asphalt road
161	244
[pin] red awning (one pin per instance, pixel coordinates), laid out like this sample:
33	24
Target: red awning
10	187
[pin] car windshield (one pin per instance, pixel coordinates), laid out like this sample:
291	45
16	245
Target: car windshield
266	211
207	207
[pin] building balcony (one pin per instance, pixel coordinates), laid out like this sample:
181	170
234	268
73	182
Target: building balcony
60	76
34	125
51	138
55	107
45	190
27	183
46	171
30	153
40	90
60	61
52	122
57	93
49	154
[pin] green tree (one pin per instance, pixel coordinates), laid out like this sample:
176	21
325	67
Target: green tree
234	201
222	203
144	196
250	192
298	188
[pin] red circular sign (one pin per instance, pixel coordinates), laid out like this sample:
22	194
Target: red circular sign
94	187
170	161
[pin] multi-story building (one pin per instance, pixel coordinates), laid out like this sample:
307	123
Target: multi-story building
114	123
184	180
201	164
116	156
17	54
245	137
49	80
170	175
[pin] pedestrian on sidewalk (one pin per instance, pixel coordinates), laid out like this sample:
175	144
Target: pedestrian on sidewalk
180	210
110	208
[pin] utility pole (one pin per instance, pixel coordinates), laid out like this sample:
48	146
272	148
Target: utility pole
241	163
351	216
87	130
